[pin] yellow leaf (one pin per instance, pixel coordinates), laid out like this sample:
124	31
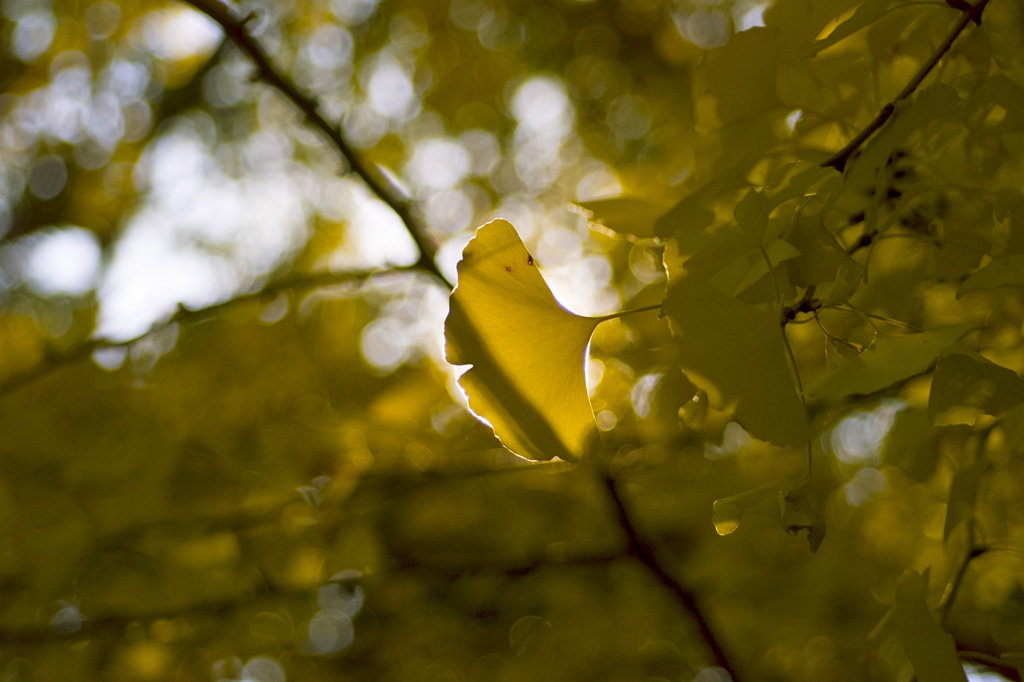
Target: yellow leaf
528	352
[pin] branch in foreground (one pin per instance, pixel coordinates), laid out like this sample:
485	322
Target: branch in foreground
54	360
840	158
237	33
646	554
442	565
118	622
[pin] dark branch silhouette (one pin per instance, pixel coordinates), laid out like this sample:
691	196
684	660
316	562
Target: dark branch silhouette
646	553
237	32
840	158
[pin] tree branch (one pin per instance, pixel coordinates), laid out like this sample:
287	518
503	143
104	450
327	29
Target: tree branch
840	158
117	622
237	33
646	554
55	359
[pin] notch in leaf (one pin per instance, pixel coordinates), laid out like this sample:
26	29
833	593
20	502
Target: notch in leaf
528	353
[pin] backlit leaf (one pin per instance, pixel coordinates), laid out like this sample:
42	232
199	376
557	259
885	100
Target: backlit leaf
888	360
527	352
735	352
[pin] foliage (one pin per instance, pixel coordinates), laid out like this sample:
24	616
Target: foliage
233	443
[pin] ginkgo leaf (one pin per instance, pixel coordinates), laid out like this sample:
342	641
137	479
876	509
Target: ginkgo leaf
888	360
527	352
735	352
868	13
821	254
794	505
967	385
962	493
910	444
627	215
1004	271
931	650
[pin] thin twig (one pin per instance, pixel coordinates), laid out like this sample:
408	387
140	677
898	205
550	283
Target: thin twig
840	158
55	359
236	31
646	554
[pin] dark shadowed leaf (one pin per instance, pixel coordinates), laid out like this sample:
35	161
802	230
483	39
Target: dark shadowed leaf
967	385
888	360
931	650
735	352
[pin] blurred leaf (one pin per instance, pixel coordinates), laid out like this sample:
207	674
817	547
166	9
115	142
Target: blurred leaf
962	493
888	360
910	444
848	279
931	650
627	215
527	351
794	505
821	256
868	13
752	216
967	385
1002	271
735	352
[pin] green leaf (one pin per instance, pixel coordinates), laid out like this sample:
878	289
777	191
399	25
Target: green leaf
962	493
724	248
692	214
1003	271
735	352
848	278
630	216
778	251
751	215
868	13
912	115
528	352
888	360
767	501
1012	425
931	650
967	385
910	444
821	256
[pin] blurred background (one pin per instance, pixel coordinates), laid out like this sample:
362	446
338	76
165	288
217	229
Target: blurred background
290	486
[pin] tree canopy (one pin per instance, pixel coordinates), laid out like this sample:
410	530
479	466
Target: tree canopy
479	340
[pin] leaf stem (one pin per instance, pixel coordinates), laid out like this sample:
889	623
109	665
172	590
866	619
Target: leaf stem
840	158
631	311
